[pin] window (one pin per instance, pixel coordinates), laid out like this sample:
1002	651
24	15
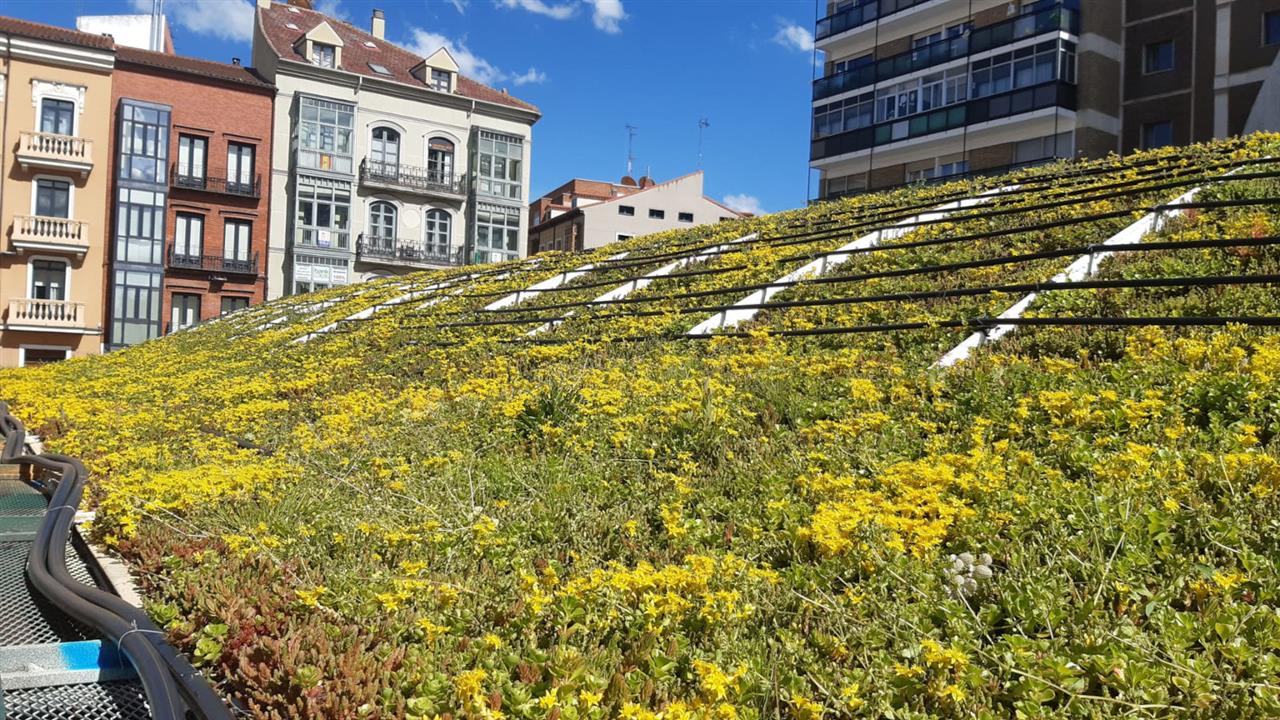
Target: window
498	165
57	116
1157	134
382	225
48	280
438	225
380	69
324	213
192	152
624	236
188	235
439	160
1026	66
322	55
144	143
231	304
440	79
958	167
185	311
1271	27
32	356
627	210
686	217
655	214
235	243
240	168
53	198
840	116
384	151
1049	146
324	134
843	185
1157	57
315	272
852	63
135	311
139	227
497	231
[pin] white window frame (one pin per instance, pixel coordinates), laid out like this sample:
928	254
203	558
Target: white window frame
22	361
71	192
177	237
317	51
173	307
31	275
41	89
227	224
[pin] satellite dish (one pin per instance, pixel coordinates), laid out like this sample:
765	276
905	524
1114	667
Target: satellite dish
629	181
646	182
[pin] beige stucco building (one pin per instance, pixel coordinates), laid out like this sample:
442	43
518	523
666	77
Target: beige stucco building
585	214
55	111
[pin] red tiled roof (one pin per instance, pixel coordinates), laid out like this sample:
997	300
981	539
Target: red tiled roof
356	56
192	66
40	31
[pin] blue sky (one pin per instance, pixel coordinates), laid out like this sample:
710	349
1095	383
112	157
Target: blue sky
592	66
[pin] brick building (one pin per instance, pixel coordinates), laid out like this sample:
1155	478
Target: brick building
190	209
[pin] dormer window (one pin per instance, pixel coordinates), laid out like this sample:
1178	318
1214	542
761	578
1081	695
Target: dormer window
323	55
441	79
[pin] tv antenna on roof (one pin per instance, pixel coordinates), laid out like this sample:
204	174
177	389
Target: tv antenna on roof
703	124
631	136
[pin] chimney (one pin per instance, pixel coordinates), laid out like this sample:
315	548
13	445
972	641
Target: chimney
379	28
235	61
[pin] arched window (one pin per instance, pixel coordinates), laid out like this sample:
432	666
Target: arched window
439	160
384	151
438	222
382	225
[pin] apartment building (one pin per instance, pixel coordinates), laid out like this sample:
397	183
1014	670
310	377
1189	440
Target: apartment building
384	162
585	214
189	206
917	90
55	109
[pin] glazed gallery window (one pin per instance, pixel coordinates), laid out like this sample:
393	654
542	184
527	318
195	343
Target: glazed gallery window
139	226
498	230
438	226
53	198
193	152
498	165
57	116
314	272
188	235
324	134
324	213
48	280
144	143
185	311
135	311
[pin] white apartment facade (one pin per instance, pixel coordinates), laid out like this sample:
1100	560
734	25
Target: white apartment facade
587	214
384	162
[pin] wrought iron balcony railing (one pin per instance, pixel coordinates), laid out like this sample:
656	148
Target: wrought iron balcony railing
397	251
213	263
215	184
411	179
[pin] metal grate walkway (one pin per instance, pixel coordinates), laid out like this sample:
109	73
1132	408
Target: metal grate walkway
30	690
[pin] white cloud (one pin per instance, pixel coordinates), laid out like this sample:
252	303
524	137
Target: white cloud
744	203
424	43
459	5
606	14
223	19
793	37
532	75
332	8
557	12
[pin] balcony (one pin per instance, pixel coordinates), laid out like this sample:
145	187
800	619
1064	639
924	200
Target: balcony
395	251
45	315
1046	16
59	152
218	185
407	178
36	232
861	14
992	107
213	264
